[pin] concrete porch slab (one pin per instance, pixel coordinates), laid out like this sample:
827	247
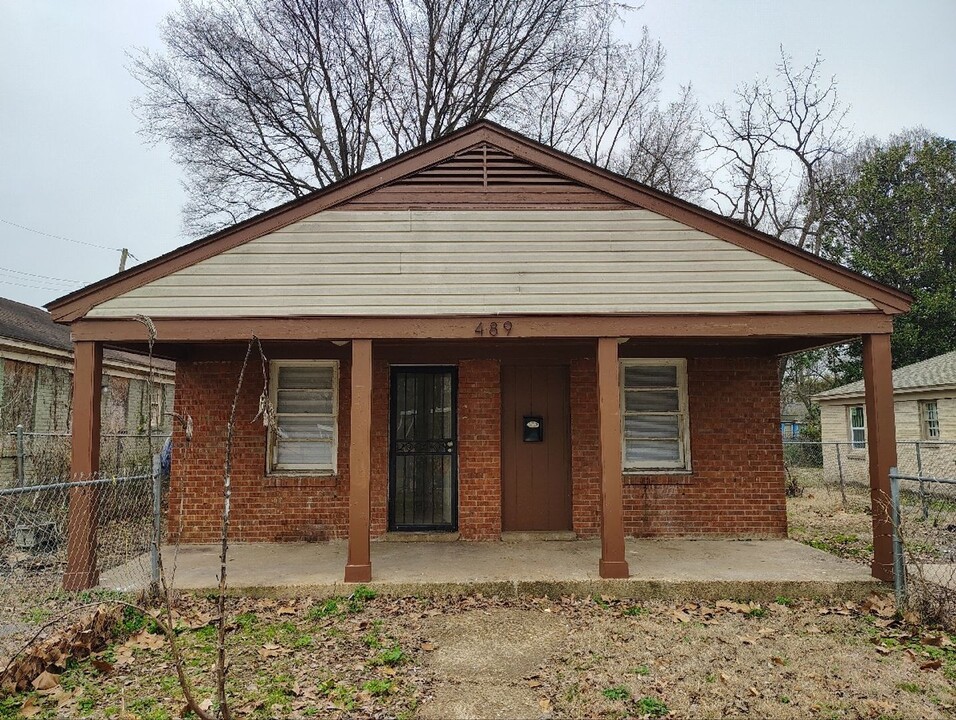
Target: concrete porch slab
665	569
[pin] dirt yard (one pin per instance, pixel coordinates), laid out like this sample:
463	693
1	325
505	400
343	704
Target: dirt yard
820	518
473	657
840	522
368	657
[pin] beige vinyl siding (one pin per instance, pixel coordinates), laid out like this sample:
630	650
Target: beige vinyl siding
937	458
445	262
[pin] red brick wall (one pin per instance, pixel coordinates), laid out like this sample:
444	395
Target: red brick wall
479	449
263	508
736	488
276	508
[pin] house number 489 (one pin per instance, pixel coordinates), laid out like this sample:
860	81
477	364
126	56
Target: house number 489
493	329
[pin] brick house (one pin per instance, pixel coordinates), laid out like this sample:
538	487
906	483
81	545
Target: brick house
484	336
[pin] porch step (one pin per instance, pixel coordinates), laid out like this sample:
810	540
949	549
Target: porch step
420	537
526	536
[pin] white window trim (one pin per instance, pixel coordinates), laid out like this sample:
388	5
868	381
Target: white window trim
850	428
684	467
271	467
923	406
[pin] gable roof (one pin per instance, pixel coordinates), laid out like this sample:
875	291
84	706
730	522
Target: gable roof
76	304
937	372
33	325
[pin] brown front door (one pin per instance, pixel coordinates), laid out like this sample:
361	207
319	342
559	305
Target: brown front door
535	447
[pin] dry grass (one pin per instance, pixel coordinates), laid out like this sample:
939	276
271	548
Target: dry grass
820	519
585	658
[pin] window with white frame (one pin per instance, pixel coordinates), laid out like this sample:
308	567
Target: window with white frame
654	418
929	420
305	398
857	421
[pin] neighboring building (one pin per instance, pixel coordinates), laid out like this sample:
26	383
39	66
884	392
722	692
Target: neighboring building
479	336
793	415
924	395
36	366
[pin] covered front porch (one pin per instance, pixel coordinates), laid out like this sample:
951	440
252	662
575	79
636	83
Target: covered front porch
733	488
758	570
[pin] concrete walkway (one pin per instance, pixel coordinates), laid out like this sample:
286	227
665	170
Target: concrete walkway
702	569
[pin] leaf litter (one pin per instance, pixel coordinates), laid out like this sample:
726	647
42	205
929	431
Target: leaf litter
384	657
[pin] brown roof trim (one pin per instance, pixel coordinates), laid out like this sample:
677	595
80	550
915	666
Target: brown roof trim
76	304
843	325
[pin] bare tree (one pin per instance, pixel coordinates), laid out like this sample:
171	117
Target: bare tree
604	106
665	151
774	151
267	100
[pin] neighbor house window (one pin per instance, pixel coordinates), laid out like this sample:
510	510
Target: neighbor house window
929	420
305	398
654	414
857	428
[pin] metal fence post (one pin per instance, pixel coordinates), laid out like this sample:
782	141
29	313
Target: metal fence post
21	469
923	500
899	565
842	479
157	522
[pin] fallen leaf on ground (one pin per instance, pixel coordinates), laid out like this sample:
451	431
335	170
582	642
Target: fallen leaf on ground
45	681
271	650
145	640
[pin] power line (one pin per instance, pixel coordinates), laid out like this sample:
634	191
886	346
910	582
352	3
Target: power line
43	277
59	237
60	289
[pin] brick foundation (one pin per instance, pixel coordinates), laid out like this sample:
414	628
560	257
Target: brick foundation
736	488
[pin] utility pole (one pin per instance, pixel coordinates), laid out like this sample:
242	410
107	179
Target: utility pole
124	253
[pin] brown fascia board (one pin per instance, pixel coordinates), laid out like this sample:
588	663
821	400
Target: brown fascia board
76	304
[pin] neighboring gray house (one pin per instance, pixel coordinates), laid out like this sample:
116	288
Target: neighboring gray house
925	402
793	416
36	366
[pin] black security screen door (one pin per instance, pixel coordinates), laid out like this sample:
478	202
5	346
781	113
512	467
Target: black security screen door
423	484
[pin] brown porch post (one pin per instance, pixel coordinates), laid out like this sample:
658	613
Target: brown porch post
613	564
81	572
881	446
359	567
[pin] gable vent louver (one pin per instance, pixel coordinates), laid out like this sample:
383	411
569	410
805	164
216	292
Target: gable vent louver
484	166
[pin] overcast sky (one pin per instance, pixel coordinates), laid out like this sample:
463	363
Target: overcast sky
72	164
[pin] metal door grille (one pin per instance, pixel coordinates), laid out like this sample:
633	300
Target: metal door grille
423	478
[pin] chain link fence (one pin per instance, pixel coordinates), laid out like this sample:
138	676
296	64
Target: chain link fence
924	514
842	468
101	530
26	455
830	508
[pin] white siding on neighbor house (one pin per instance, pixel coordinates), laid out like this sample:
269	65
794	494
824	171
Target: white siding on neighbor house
937	459
440	262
